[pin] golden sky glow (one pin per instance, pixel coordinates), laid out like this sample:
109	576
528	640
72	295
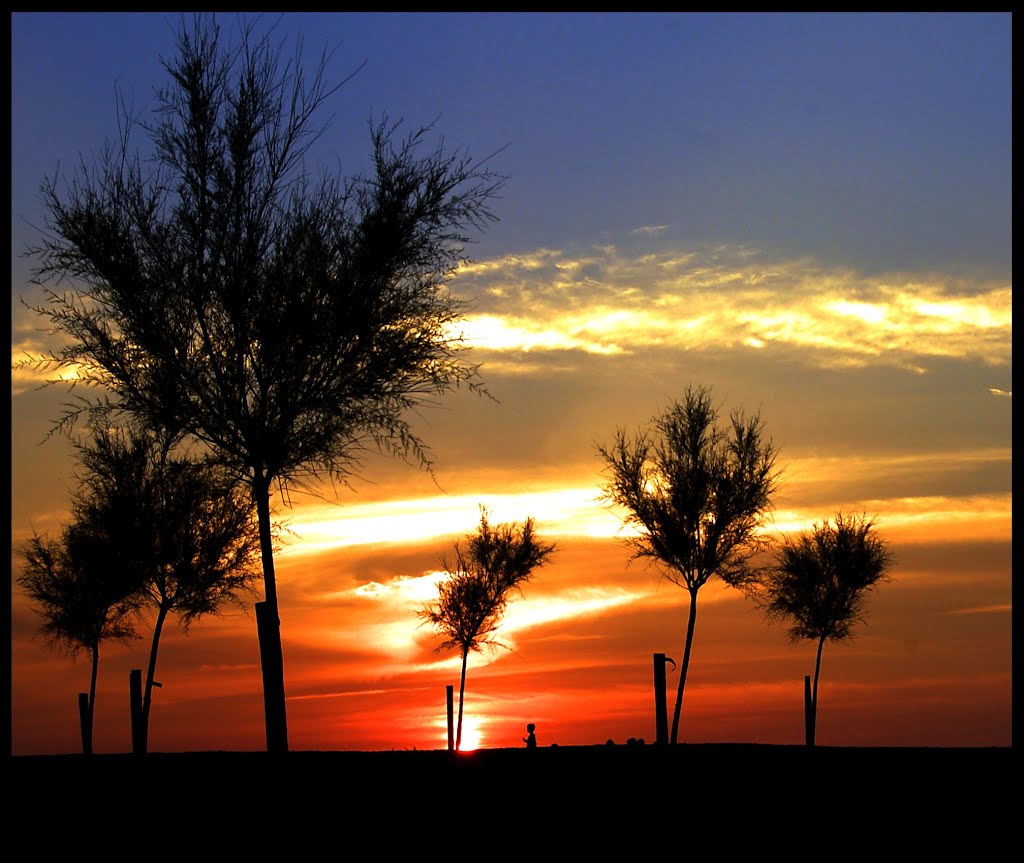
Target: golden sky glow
851	374
606	302
573	513
831	251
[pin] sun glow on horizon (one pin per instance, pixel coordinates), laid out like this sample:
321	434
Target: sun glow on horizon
473	730
472	739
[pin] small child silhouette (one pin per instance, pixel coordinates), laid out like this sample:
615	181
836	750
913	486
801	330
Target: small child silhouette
531	741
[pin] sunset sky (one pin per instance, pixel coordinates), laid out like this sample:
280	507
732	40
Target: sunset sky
809	214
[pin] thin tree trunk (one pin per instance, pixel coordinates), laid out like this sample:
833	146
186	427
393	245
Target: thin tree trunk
261	493
270	635
462	691
690	623
92	698
814	690
147	698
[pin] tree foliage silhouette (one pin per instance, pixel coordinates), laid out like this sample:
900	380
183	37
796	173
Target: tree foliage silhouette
820	581
197	540
85	586
218	290
698	494
482	573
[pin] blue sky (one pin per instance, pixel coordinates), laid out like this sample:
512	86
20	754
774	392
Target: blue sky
877	140
809	213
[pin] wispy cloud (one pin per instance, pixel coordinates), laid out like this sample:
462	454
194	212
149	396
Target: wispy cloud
557	511
1000	608
610	303
925	519
577	511
30	369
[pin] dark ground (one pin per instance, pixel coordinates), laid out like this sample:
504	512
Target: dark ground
944	796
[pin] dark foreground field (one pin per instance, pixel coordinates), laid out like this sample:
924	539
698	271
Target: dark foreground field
959	795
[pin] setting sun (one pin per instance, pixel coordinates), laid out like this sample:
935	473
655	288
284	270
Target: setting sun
471	737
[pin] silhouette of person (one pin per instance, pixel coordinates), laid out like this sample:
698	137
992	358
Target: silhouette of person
531	741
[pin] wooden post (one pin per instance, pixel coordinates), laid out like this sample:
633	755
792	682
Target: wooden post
808	712
84	721
660	708
135	707
268	627
450	695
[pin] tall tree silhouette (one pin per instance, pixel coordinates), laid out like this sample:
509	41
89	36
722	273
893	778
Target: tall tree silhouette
217	289
85	588
199	547
482	574
698	493
819	584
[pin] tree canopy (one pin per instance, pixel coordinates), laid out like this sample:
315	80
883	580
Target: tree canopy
85	585
698	493
219	290
197	547
820	583
482	574
194	530
821	579
81	592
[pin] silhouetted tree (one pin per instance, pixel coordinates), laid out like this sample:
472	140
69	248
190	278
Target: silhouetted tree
287	323
820	581
201	545
482	574
85	591
698	494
